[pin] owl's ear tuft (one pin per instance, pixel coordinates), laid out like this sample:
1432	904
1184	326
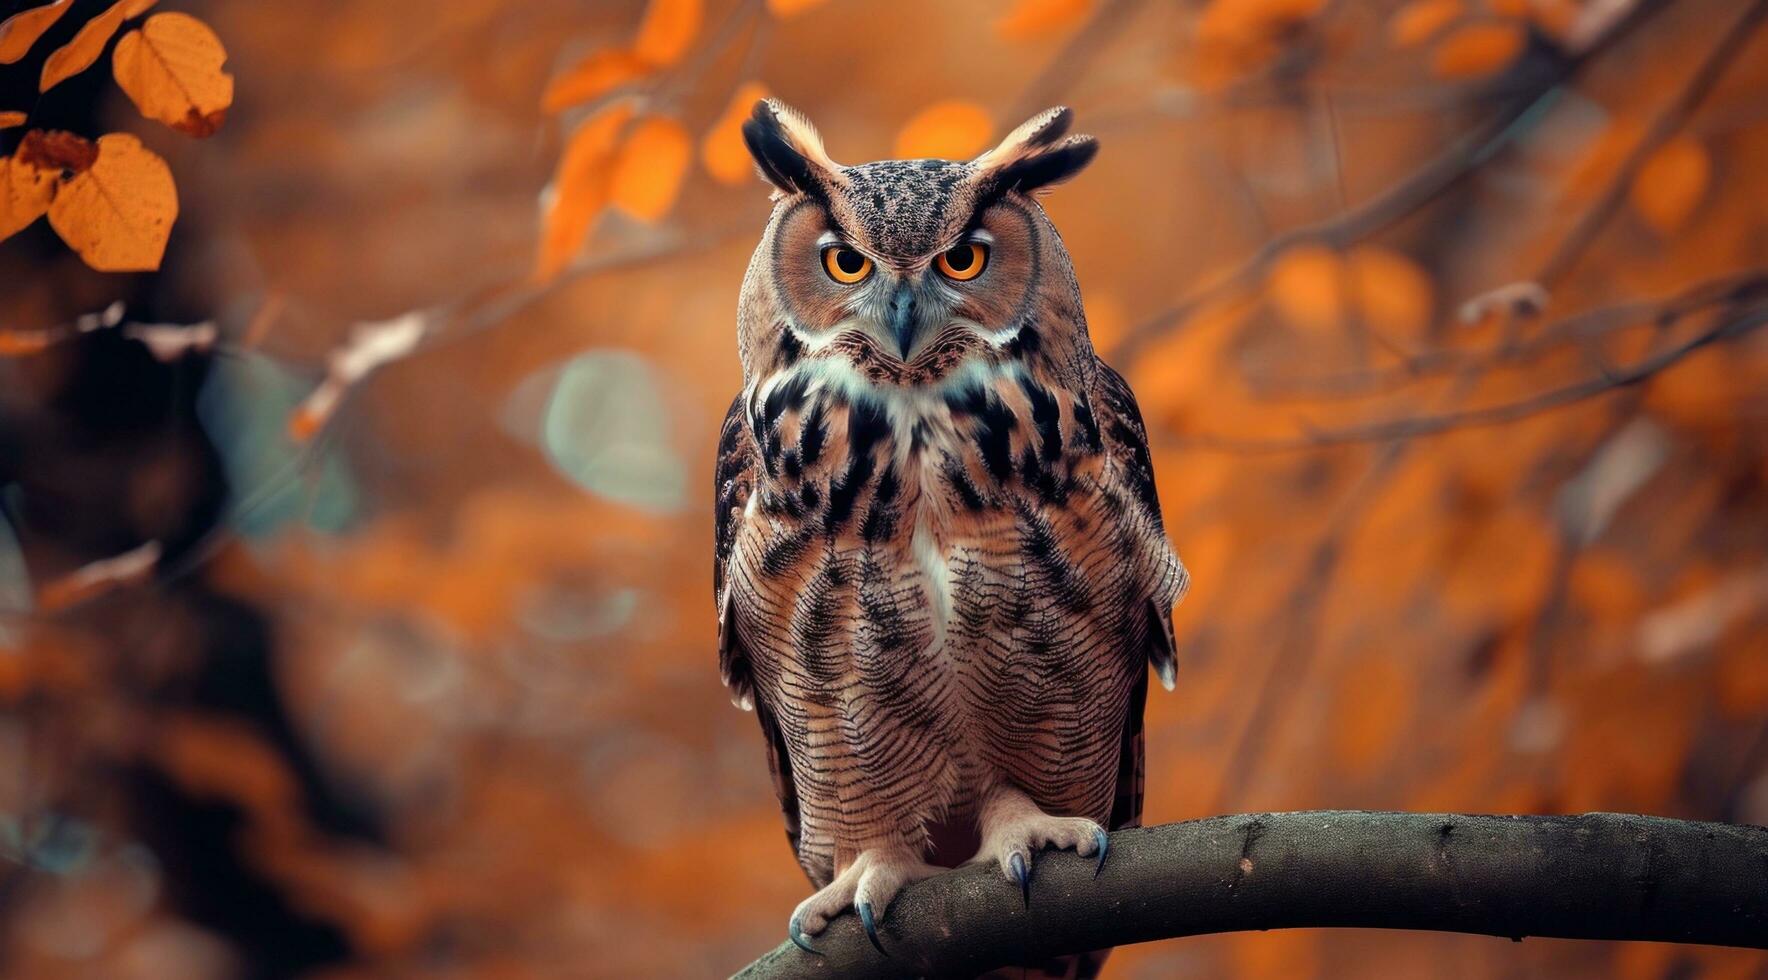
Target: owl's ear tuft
1044	170
787	149
1037	155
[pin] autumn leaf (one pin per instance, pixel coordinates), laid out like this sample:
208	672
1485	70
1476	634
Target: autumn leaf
10	118
580	189
171	70
791	8
1031	18
951	130
1306	284
21	30
722	152
597	74
25	190
54	149
1392	292
78	55
1478	50
1421	20
119	212
667	31
1671	184
650	166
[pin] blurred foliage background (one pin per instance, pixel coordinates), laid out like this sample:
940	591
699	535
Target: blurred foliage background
1443	314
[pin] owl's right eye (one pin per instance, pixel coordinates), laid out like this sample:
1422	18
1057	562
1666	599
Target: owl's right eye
844	265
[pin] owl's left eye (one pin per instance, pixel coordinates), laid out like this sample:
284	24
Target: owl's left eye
964	262
844	265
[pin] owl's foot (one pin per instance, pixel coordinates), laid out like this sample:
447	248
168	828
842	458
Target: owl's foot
867	886
1014	830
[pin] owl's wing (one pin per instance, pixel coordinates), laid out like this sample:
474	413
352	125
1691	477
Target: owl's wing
733	480
1131	471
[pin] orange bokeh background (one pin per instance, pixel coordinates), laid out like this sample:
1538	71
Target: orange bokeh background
1439	562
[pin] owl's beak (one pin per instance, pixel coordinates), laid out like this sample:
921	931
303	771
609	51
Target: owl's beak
903	324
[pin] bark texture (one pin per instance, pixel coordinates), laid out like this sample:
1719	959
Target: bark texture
1592	876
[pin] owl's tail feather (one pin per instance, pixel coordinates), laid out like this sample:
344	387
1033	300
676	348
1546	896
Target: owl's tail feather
1079	966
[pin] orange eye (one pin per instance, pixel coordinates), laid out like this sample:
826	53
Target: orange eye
844	265
964	262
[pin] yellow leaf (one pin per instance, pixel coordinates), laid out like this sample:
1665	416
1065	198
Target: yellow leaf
21	30
78	55
668	30
649	168
1030	18
171	70
1392	292
10	118
791	8
580	189
25	190
118	213
1478	49
1671	184
951	130
598	73
1421	20
722	152
1307	285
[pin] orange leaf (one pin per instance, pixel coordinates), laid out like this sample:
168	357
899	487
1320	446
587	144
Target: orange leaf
171	70
118	213
649	168
1306	285
11	118
21	30
791	8
668	30
598	73
78	55
53	149
1030	18
580	189
1518	9
951	130
25	190
1421	20
722	152
1392	292
1478	49
1671	184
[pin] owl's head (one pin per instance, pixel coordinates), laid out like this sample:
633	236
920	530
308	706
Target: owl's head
909	268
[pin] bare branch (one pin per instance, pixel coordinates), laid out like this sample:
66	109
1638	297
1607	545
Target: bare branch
1424	425
1449	168
1594	876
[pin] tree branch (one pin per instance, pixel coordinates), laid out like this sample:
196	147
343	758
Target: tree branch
1594	876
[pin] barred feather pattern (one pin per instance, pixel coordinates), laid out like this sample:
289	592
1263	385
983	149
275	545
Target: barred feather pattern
928	590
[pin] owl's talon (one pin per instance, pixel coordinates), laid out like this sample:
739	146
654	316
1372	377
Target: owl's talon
1104	840
1020	872
795	932
864	908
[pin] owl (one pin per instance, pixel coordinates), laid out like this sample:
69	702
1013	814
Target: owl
940	570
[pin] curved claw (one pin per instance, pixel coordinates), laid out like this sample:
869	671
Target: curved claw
1021	873
1104	840
795	932
871	926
